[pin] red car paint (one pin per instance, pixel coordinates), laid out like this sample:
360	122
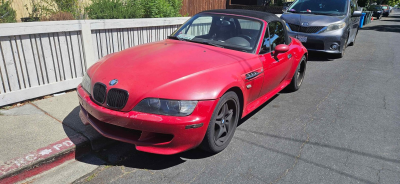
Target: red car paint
173	69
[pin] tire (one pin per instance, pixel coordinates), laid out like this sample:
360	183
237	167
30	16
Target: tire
298	76
342	53
223	123
354	41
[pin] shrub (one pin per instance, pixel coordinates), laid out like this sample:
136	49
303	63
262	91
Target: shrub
122	9
71	6
42	8
162	8
59	16
7	13
114	9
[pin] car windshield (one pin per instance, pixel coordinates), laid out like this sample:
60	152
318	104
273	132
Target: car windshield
231	32
323	7
384	7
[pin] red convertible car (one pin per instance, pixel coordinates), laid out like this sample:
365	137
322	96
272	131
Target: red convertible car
191	89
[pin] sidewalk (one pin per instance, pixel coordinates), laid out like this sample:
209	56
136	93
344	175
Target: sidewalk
40	135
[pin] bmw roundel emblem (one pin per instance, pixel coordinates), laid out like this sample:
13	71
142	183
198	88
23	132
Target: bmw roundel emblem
305	24
113	82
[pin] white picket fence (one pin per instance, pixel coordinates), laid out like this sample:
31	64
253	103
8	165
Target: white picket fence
41	58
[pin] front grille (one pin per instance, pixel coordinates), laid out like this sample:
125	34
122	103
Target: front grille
302	29
99	92
117	98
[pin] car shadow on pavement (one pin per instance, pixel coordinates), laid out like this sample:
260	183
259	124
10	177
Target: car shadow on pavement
118	153
320	56
392	20
123	154
384	28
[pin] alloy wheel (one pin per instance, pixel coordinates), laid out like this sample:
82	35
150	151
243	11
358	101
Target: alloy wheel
300	73
224	122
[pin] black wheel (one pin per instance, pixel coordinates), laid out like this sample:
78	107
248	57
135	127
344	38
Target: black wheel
341	54
298	77
222	124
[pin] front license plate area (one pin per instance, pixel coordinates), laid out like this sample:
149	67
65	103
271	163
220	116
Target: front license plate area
302	38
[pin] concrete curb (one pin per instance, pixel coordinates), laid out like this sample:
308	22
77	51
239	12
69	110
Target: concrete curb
43	159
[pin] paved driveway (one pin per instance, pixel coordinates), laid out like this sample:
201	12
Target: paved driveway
343	126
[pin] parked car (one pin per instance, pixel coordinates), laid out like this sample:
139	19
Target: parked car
286	6
377	11
191	89
325	26
386	10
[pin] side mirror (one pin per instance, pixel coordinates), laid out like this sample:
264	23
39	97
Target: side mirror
357	14
281	48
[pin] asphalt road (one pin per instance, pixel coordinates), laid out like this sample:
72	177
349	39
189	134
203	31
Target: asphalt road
343	126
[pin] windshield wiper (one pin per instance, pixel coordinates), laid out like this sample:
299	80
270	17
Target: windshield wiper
202	42
207	43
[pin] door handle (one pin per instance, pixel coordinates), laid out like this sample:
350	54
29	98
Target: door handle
289	56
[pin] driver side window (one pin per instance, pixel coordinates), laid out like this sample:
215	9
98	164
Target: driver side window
274	36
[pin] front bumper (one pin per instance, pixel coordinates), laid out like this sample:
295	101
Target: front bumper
321	42
151	133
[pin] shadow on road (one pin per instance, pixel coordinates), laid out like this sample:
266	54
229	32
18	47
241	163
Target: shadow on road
124	154
320	56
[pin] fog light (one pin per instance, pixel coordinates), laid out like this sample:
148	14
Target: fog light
334	47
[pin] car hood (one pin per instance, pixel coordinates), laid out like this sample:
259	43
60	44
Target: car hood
313	20
144	70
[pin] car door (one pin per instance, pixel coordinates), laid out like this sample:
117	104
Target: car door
354	21
276	66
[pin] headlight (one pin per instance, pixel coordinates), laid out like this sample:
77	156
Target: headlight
166	107
336	26
86	83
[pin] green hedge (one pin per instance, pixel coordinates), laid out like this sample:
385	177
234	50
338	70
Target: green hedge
7	13
124	9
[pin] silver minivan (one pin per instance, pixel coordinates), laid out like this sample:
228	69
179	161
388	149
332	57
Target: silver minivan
324	25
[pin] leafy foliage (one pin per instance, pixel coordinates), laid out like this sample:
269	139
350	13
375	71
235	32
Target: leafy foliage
69	6
7	13
59	16
41	8
122	9
114	9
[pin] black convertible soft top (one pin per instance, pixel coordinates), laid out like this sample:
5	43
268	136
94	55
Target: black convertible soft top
249	13
268	17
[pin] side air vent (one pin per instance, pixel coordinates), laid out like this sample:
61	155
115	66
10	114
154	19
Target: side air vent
252	75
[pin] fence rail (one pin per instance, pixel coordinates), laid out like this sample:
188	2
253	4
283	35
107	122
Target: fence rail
41	58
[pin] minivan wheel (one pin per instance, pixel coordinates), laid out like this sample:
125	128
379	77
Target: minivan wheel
341	54
354	41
